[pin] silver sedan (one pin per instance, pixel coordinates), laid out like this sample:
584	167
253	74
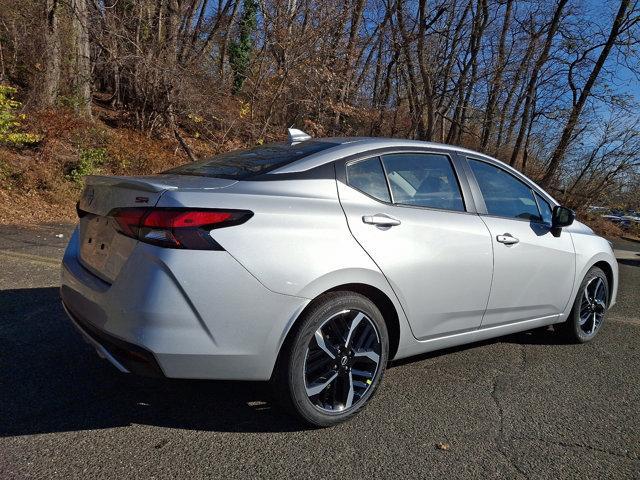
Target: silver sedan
315	262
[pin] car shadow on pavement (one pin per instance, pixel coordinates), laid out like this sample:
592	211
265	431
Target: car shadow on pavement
52	381
539	336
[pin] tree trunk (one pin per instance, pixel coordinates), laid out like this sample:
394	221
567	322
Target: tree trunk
225	41
51	79
413	96
572	121
474	69
515	83
2	71
463	90
496	82
446	75
83	57
356	19
426	125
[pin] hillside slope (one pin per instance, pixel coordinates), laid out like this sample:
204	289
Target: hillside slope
42	183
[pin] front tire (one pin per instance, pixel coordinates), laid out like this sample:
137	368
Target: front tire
589	308
335	360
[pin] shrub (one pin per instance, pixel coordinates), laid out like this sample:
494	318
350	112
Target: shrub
10	177
70	101
10	121
89	160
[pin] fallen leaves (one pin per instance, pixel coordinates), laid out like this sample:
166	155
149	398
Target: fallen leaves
443	446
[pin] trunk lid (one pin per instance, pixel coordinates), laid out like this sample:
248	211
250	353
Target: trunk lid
102	194
103	250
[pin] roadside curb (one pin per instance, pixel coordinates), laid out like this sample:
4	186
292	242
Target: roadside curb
626	255
630	239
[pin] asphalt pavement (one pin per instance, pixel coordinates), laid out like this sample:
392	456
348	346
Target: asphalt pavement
523	406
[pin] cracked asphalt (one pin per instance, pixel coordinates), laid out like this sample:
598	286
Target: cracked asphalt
523	406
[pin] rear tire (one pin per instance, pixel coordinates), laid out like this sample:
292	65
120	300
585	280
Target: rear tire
589	309
333	362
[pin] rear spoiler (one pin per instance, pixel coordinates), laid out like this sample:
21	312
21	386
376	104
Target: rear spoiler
146	184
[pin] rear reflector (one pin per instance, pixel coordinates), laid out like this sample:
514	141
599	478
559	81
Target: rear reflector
176	228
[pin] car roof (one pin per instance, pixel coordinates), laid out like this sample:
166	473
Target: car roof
347	146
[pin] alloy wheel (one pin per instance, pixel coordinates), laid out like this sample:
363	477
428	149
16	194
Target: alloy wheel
341	361
593	306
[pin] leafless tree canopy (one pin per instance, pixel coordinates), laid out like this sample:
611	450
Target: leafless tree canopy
542	84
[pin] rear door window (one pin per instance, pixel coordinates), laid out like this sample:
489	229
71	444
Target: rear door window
423	180
368	177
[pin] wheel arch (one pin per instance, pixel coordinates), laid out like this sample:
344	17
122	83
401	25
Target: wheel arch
384	304
593	251
377	296
605	263
608	271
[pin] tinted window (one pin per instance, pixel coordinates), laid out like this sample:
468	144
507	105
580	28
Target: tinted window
241	164
423	180
368	177
545	209
504	195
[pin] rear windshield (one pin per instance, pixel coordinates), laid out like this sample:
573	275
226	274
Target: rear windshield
241	164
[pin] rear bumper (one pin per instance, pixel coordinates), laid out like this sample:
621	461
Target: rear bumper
179	313
125	356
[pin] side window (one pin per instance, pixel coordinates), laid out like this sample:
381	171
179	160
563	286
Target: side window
423	180
368	177
545	209
504	195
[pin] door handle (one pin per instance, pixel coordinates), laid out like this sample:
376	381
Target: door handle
381	220
507	239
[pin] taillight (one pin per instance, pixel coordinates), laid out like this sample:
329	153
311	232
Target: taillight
176	228
129	220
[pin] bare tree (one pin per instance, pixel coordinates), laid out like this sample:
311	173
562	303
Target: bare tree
533	80
496	83
618	24
83	56
51	75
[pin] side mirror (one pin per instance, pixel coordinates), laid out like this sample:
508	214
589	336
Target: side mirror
562	217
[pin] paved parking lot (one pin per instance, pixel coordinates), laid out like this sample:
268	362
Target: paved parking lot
523	406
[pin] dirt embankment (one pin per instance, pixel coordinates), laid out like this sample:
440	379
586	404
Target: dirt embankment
42	183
